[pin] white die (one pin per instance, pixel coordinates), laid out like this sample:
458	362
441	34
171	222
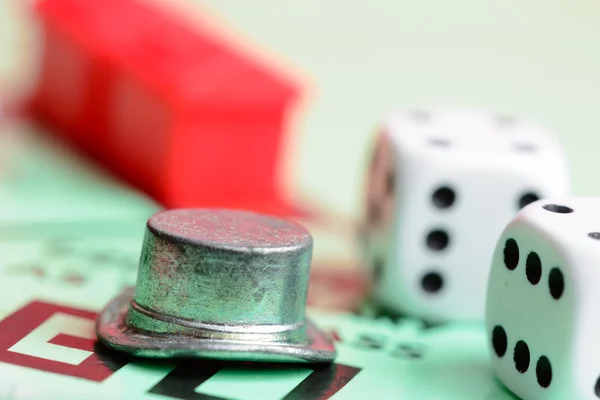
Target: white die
443	185
544	294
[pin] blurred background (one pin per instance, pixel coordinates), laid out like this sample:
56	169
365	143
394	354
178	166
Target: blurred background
537	59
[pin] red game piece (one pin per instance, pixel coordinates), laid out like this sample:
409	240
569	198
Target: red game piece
175	109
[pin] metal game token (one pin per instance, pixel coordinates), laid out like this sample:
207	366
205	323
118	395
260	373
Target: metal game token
218	284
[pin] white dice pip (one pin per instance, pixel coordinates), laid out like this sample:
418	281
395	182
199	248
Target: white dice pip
442	186
543	301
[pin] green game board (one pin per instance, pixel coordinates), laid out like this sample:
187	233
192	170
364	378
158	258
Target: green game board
69	241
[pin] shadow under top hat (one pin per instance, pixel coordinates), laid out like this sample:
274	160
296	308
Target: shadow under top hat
218	284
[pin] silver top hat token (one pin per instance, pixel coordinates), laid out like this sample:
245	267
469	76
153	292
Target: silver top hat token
220	284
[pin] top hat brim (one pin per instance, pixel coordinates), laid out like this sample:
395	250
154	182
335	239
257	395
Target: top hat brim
114	333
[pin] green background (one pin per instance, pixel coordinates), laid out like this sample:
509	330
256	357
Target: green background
537	58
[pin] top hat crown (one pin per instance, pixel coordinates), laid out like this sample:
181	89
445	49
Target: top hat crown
220	284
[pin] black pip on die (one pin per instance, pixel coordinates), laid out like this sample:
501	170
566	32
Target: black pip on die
544	299
442	186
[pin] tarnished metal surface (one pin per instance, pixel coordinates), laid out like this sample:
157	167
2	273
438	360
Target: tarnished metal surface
218	283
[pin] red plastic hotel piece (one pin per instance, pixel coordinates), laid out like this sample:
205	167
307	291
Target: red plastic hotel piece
173	110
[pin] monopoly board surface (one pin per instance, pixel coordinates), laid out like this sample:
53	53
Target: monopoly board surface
70	239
